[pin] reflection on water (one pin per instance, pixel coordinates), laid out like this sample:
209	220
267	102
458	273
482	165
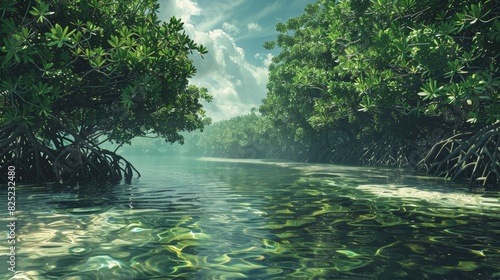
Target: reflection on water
229	219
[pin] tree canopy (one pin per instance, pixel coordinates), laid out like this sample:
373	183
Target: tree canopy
76	72
406	82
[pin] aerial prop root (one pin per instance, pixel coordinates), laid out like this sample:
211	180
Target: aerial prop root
85	161
21	149
472	155
389	151
79	160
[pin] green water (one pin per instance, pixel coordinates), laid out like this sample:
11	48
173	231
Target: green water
227	219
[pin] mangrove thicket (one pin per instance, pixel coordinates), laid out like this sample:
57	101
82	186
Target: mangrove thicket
77	73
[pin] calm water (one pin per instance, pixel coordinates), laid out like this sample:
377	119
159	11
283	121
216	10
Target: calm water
219	219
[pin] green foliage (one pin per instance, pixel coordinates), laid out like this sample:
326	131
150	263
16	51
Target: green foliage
243	136
375	68
97	68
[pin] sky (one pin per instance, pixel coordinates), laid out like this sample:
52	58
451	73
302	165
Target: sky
235	69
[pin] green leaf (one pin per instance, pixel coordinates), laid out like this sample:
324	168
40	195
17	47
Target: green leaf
473	117
114	41
59	36
41	88
8	6
430	90
41	11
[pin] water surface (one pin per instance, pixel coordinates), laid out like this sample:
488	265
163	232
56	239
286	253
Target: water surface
207	218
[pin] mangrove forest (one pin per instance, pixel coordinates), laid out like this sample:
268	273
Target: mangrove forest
407	84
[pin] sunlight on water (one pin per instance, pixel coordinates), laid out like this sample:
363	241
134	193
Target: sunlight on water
237	219
443	197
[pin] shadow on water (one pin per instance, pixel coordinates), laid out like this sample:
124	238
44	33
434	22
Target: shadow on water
212	218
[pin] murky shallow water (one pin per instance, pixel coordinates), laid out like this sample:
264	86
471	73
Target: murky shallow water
229	219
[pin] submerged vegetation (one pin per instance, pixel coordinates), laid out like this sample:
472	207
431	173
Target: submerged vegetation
253	219
388	83
76	73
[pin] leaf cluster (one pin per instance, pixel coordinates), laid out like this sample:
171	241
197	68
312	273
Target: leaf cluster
97	68
371	68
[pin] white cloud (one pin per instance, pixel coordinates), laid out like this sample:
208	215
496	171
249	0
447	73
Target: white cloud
266	58
254	27
182	9
230	28
235	84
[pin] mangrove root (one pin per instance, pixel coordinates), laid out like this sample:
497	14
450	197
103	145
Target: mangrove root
472	155
63	159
